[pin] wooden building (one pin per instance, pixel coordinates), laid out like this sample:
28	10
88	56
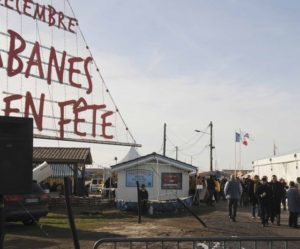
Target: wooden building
64	162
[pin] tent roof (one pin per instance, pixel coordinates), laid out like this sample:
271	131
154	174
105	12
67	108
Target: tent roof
131	155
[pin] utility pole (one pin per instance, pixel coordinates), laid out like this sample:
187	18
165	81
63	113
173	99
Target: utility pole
165	138
176	148
211	145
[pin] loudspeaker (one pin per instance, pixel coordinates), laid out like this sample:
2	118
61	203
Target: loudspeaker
16	149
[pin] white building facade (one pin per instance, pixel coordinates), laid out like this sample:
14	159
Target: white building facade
286	167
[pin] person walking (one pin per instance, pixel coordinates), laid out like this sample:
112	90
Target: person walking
248	181
217	189
243	200
253	184
210	183
264	194
298	184
293	198
277	195
233	191
285	187
223	182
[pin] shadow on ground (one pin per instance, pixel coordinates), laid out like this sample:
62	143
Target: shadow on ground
34	237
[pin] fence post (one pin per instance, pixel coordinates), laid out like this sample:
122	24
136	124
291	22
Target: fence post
67	182
138	201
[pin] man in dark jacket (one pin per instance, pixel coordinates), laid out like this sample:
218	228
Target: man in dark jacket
264	194
277	195
210	190
144	198
253	184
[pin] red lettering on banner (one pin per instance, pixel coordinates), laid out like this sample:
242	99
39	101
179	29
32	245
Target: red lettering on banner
105	124
79	106
61	17
13	54
8	6
77	109
87	73
51	14
25	57
18	7
38	117
53	59
40	13
73	70
72	23
95	108
35	60
1	62
62	120
27	6
44	13
7	101
32	62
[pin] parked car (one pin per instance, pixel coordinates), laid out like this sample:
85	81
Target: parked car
28	208
96	185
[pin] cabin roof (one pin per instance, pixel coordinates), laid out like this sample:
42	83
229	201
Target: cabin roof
153	157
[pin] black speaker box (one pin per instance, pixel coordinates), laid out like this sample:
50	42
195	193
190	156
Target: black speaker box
16	149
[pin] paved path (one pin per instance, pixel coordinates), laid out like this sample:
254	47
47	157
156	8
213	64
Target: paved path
219	223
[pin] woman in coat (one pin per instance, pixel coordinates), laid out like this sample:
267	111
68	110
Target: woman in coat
293	204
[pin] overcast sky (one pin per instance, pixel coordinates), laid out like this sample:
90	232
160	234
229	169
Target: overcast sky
188	62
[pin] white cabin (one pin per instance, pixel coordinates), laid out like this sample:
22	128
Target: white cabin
165	178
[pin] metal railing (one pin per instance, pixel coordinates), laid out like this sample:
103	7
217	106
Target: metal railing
232	242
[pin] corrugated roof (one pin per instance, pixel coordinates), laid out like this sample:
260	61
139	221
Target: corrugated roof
61	170
62	155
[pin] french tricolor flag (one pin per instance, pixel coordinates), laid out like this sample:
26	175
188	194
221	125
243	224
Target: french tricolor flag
245	139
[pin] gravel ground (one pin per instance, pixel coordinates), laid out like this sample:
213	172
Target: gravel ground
179	226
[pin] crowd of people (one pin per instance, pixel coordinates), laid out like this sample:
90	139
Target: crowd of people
265	198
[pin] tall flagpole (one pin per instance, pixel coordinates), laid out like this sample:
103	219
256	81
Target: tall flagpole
240	162
235	133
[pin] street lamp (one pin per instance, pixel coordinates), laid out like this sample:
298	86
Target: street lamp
210	144
202	132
